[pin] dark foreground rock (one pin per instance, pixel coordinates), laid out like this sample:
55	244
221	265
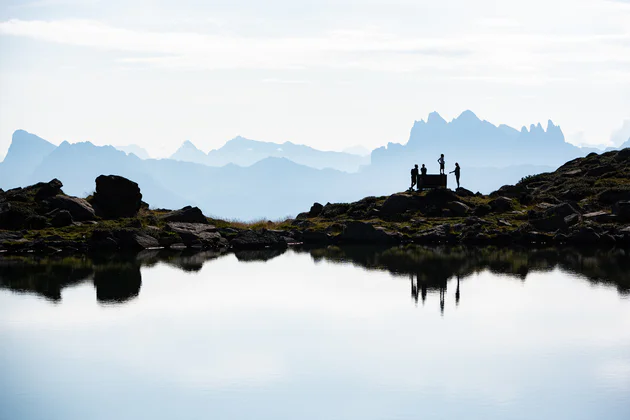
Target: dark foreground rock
116	197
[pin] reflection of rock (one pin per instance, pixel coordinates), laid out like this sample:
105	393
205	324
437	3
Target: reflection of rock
117	283
259	255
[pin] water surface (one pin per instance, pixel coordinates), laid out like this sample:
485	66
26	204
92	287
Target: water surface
352	333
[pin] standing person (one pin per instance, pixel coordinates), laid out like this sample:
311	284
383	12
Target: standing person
457	169
414	176
423	172
442	163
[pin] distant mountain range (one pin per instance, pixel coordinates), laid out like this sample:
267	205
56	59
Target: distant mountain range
245	152
266	186
473	142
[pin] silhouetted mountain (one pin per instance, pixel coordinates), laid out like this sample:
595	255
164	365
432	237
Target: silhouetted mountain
135	149
245	152
477	143
188	152
25	153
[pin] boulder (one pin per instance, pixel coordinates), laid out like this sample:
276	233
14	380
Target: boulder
316	210
250	239
310	236
15	216
187	214
116	197
458	208
399	203
463	192
134	240
197	233
361	232
613	195
48	189
501	204
441	233
61	218
79	208
622	210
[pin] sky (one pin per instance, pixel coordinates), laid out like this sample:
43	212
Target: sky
327	73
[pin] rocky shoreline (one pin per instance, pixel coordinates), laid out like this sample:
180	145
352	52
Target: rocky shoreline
586	202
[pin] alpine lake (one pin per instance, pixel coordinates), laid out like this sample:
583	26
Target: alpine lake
323	333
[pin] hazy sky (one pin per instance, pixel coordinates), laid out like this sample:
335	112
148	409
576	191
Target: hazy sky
327	73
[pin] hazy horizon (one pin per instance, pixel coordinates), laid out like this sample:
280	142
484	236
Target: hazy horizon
330	75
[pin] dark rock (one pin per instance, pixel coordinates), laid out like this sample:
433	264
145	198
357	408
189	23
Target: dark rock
458	208
250	239
622	210
361	232
187	214
315	237
482	210
331	211
501	204
116	197
48	189
441	233
79	208
36	222
400	203
61	218
197	233
102	240
600	170
463	192
316	210
613	195
14	216
584	236
133	240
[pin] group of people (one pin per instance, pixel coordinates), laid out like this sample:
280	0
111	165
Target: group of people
418	175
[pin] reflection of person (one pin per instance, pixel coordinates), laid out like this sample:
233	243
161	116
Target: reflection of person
442	163
457	169
414	176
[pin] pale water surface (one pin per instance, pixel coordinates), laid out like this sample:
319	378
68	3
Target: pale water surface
317	335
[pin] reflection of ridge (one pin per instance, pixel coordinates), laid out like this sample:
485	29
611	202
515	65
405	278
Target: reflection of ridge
117	278
260	255
434	266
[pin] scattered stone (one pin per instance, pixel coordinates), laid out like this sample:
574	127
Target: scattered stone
622	210
458	208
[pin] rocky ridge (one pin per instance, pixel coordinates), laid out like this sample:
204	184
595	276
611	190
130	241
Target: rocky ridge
585	202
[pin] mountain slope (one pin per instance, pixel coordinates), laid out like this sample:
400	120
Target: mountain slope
25	153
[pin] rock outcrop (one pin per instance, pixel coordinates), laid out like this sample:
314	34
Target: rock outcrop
116	197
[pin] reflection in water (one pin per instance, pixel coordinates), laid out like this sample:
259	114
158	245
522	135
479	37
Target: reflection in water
117	278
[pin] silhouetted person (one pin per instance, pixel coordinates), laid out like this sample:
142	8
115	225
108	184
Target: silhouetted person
442	162
457	169
423	172
414	176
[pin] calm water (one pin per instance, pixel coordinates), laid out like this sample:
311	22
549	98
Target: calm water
324	334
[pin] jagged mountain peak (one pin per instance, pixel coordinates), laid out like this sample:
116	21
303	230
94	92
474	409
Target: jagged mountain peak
435	118
467	115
